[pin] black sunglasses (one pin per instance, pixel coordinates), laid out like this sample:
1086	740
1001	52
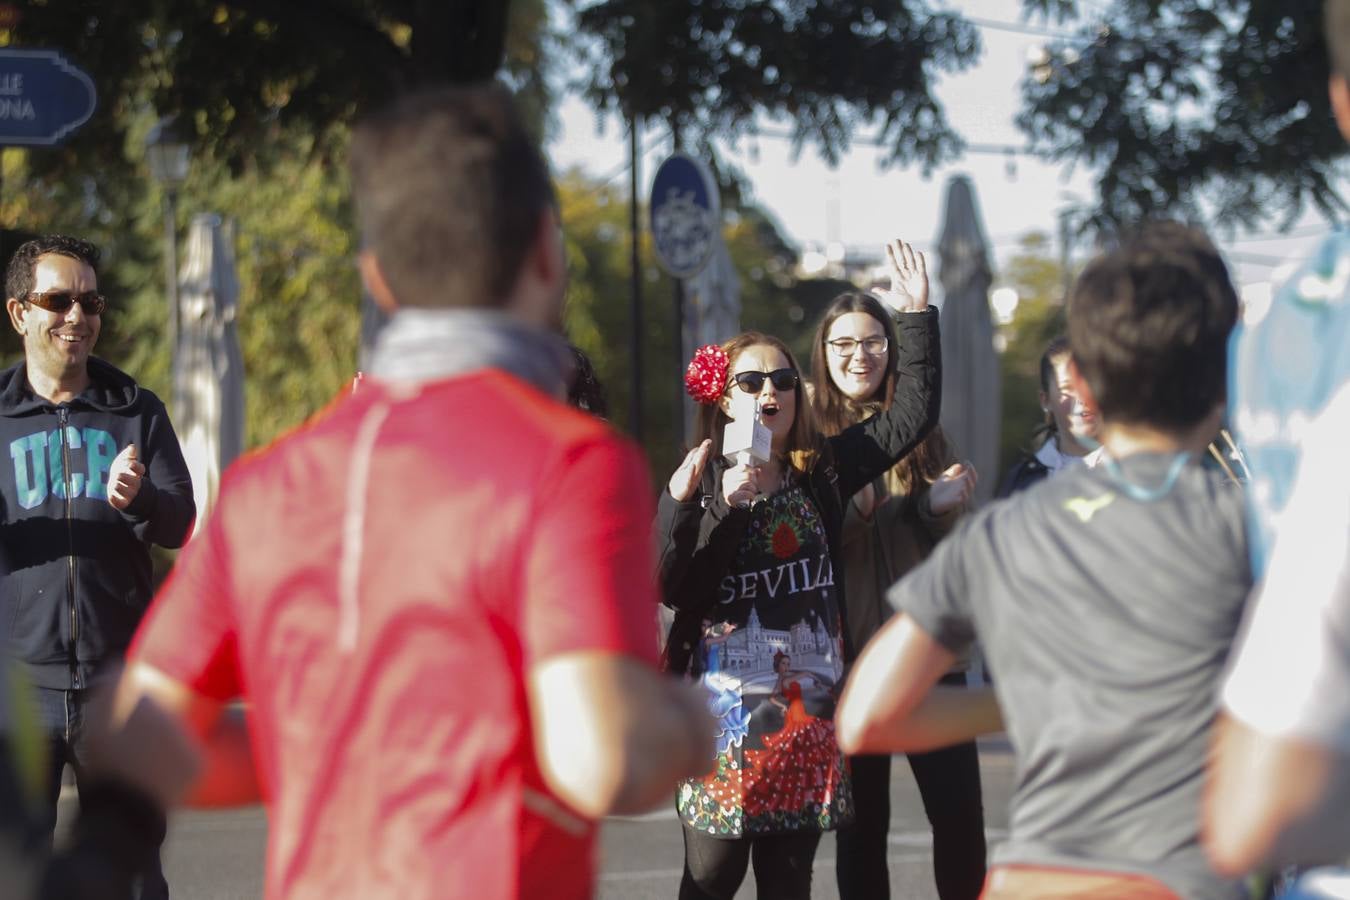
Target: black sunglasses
91	302
753	382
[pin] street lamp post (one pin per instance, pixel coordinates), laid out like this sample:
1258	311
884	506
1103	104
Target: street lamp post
168	155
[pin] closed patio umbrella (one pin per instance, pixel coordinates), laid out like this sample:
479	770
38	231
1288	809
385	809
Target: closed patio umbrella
971	405
208	369
712	313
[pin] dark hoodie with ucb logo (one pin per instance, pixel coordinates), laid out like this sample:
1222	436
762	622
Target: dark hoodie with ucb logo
75	571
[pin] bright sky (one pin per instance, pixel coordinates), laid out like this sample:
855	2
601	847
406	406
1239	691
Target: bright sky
859	204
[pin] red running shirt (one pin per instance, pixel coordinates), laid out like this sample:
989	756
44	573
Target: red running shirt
376	585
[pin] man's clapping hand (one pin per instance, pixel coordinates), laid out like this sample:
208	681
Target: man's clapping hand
124	478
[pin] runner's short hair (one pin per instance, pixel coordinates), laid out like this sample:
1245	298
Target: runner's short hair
1149	325
450	188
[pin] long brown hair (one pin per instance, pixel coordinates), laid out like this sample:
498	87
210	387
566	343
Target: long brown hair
835	410
803	442
926	461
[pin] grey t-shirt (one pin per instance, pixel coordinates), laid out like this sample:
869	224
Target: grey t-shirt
1106	621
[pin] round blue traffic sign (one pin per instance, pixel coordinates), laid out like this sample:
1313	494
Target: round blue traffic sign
685	215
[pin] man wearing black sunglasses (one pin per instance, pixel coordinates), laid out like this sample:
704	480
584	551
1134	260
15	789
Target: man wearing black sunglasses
93	476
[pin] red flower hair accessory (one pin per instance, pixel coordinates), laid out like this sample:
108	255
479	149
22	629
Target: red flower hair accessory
706	377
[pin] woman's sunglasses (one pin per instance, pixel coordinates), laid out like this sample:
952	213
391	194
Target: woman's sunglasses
753	382
91	302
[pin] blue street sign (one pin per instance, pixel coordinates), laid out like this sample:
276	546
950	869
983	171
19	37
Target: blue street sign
685	215
43	98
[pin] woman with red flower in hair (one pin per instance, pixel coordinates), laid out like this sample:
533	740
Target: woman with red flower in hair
750	561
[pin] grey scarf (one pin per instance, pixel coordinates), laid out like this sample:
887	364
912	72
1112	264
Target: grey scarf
430	344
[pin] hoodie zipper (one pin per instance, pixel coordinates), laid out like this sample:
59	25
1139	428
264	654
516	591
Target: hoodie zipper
61	417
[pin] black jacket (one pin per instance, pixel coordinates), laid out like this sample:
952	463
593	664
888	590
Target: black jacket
74	571
697	539
1025	472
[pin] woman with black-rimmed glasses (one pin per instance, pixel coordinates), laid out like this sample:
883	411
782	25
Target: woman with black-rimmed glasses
889	527
749	559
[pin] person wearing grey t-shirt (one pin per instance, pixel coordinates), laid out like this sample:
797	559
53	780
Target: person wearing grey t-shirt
1106	600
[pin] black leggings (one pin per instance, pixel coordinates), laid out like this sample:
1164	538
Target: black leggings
949	783
715	867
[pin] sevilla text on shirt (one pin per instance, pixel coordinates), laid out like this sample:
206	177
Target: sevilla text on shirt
801	575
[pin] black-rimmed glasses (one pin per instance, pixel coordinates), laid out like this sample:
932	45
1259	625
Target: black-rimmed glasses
872	346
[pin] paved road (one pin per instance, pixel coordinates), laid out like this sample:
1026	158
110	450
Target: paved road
218	855
641	857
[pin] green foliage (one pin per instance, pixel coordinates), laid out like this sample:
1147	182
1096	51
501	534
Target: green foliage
1215	111
710	67
599	320
236	69
268	91
121	216
1038	280
300	295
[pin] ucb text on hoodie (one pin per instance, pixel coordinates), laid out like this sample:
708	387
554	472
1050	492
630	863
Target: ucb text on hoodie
75	571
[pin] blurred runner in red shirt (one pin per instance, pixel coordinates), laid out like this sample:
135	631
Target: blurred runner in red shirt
436	597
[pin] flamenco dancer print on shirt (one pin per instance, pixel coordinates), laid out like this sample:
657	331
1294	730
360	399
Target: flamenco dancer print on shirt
799	765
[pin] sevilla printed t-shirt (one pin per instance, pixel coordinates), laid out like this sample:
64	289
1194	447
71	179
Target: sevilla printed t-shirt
772	662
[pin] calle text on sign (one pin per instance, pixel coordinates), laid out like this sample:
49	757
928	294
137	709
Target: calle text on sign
43	98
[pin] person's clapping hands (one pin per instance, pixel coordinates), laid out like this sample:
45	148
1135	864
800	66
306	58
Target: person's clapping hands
953	488
124	477
684	481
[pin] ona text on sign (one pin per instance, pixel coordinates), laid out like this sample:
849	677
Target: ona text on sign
13	104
